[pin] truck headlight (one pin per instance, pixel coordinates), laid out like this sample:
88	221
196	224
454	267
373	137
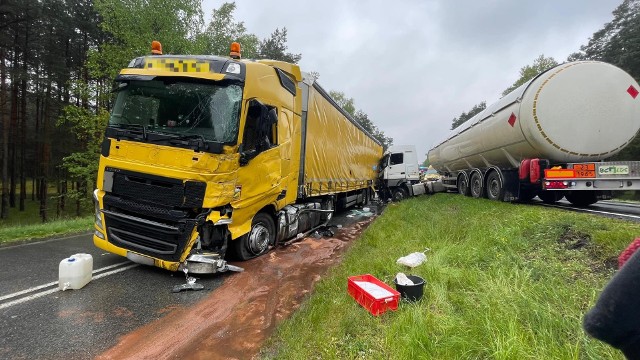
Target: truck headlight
98	214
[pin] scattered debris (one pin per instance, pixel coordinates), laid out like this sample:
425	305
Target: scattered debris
363	212
190	285
414	259
402	279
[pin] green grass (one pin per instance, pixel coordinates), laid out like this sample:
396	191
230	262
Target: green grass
15	233
504	281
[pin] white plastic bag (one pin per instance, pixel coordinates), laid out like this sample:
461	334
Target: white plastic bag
412	260
402	279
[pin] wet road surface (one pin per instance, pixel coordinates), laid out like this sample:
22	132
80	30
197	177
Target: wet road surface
129	310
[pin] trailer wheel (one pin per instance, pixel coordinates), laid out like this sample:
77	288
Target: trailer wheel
550	197
582	199
257	241
463	185
495	190
475	185
399	194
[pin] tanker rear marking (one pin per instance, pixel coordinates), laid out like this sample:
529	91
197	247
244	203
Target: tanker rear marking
633	91
512	119
535	117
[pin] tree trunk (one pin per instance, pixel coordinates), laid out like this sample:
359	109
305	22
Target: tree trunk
23	110
59	198
46	153
43	202
12	148
80	195
4	204
63	197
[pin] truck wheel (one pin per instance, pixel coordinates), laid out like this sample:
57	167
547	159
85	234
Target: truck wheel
495	191
582	198
475	185
463	185
257	241
550	197
399	194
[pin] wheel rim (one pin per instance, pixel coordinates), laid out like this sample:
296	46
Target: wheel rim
476	186
258	239
462	188
398	195
494	188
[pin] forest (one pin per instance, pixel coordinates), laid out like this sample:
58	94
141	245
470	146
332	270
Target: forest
617	43
58	59
57	62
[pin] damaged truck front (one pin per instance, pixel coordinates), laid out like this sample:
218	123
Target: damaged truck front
206	156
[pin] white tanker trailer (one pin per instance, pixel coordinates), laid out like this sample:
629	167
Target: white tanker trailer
549	138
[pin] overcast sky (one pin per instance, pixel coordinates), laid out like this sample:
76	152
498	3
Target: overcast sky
414	65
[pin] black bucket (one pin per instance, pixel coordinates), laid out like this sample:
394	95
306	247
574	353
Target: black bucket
411	292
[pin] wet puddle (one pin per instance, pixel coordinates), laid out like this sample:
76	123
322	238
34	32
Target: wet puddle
235	320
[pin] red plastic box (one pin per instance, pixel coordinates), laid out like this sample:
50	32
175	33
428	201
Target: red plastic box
374	295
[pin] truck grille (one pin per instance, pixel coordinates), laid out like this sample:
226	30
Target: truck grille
157	189
159	240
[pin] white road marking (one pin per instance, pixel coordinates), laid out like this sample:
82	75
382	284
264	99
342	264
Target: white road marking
36	288
593	211
54	290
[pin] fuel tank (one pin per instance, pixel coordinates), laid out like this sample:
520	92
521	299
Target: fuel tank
577	111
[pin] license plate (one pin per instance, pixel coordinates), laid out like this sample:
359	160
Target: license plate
613	170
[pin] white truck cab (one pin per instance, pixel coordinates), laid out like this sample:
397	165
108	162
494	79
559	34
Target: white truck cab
399	175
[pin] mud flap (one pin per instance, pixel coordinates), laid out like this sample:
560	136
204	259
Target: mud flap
511	185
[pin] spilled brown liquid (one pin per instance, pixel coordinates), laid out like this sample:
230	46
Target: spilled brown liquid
235	320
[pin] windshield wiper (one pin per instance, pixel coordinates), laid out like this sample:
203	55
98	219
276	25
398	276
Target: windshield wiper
134	126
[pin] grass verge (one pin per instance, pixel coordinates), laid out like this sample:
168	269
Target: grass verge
504	281
17	233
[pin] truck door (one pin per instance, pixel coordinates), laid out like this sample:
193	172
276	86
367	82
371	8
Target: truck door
397	168
260	173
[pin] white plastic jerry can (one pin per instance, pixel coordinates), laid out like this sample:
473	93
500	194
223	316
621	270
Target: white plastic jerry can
75	271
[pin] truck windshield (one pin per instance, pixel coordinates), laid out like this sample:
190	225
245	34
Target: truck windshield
180	107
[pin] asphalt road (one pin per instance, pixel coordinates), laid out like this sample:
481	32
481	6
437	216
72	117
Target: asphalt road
38	321
613	209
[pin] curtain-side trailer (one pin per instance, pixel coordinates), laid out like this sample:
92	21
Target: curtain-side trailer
208	155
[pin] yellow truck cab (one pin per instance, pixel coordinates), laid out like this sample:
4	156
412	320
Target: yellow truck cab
206	156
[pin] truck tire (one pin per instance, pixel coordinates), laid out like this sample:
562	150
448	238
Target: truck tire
495	190
257	241
582	198
399	194
475	185
550	197
463	185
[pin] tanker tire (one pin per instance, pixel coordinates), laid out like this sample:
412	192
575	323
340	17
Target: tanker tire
475	185
399	194
550	197
582	198
495	190
463	185
257	241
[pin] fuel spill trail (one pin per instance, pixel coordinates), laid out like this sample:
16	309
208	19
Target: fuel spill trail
235	320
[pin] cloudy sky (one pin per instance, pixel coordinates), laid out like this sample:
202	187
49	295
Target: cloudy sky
414	65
